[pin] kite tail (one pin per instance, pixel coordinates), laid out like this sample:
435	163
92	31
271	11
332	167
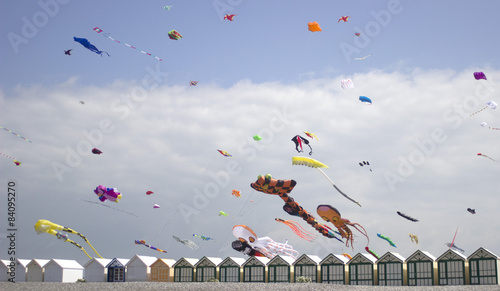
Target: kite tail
479	111
310	153
101	52
335	186
80	247
372	253
83	237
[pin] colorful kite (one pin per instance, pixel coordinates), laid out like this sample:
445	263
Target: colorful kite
407	217
266	184
472	211
149	192
298	140
297	229
479	76
187	243
331	214
18	163
89	46
491	104
107	193
8	130
414	238
343	18
167	7
156	206
347	256
236	193
452	244
229	17
68	52
365	163
45	226
347	83
264	245
372	253
222	213
193	83
203	237
96	151
357	34
313	26
143	242
224	153
481	155
311	135
257	137
365	99
387	239
363	58
174	35
318	165
244	247
484	124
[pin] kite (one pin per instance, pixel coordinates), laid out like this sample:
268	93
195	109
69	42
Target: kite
357	34
363	58
479	76
414	238
167	7
229	17
18	163
193	83
372	253
224	153
68	52
331	214
347	83
236	193
452	245
143	242
203	237
45	226
343	18
156	206
96	151
222	213
365	99
311	135
107	193
347	256
484	124
257	137
174	35
82	102
297	229
244	247
264	245
318	165
187	243
472	211
98	30
365	163
313	26
387	239
481	155
89	46
149	192
407	217
8	130
266	184
107	206
298	140
491	104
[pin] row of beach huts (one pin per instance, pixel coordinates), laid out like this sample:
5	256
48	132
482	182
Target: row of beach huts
391	269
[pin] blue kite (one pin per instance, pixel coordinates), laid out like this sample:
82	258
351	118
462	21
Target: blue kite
88	45
365	99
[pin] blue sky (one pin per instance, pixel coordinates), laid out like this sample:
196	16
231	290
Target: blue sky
264	73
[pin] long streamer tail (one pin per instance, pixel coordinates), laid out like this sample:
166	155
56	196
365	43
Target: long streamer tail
335	186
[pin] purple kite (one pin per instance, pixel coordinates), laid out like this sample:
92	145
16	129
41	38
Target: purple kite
479	75
96	151
107	193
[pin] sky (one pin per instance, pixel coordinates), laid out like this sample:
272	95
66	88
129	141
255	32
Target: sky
264	73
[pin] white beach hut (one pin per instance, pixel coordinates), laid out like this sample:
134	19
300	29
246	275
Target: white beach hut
95	270
139	268
66	271
21	270
36	269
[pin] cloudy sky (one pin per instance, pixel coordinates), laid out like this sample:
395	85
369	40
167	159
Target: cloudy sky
264	73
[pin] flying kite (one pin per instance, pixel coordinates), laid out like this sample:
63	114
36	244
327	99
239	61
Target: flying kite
8	130
45	226
224	153
347	83
372	253
167	7
244	247
331	214
298	140
365	163
414	238
18	163
343	18
311	135
365	99
452	244
472	211
143	242
149	192
297	229
89	46
387	239
98	30
236	193
229	17
203	237
96	151
107	193
305	161
193	83
407	217
481	155
484	124
491	104
174	35
347	256
156	206
68	52
267	184
264	245
222	213
479	75
187	243
313	26
82	102
257	137
363	58
357	34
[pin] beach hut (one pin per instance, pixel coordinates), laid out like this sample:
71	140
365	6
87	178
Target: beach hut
333	269
184	270
421	269
36	269
279	269
95	270
21	270
116	270
230	270
452	268
162	270
483	267
138	268
206	268
362	270
4	269
390	269
65	271
254	269
306	266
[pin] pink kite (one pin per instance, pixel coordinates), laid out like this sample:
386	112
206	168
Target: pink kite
149	192
104	193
